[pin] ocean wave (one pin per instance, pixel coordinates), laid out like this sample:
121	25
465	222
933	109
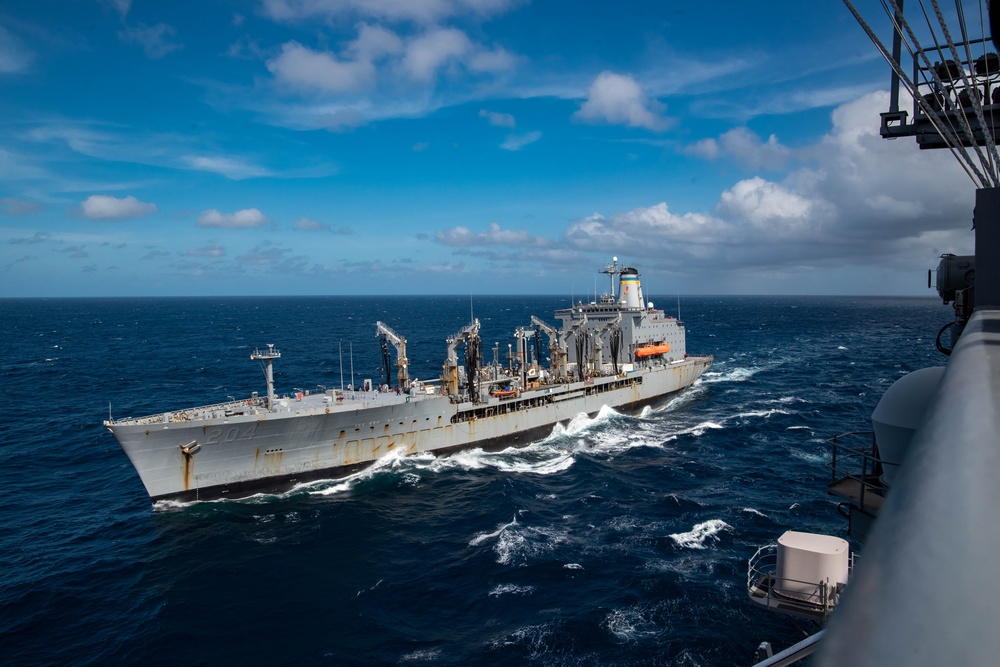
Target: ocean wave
515	543
631	624
741	374
582	423
531	459
750	510
701	533
424	655
510	589
766	414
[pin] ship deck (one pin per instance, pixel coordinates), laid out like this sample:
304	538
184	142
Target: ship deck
332	401
304	404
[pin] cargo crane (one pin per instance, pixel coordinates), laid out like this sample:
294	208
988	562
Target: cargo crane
557	349
449	377
598	357
402	375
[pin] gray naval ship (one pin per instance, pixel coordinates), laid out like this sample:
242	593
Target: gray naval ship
617	351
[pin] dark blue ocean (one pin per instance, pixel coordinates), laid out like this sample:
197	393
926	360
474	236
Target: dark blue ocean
618	540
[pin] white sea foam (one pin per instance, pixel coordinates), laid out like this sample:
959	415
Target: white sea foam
766	414
701	533
751	510
630	625
391	461
811	457
583	422
700	429
425	655
735	375
483	537
532	459
511	589
572	566
516	543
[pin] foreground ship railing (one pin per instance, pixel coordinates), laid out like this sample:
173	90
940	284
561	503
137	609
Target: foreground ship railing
856	476
926	592
813	600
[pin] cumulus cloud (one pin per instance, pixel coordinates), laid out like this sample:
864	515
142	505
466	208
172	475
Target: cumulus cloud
247	218
105	207
429	52
378	74
302	68
498	119
619	100
743	147
494	235
155	40
861	200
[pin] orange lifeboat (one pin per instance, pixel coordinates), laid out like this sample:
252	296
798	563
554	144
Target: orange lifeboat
652	349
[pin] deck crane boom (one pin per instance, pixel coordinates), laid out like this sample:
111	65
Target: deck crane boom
402	363
557	348
449	378
598	359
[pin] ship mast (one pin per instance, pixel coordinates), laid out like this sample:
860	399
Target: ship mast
612	270
267	357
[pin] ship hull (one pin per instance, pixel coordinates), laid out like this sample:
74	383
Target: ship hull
235	455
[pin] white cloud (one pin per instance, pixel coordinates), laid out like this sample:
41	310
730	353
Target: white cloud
706	149
862	201
104	207
494	235
619	100
206	251
377	75
744	148
305	224
498	119
421	11
229	167
302	68
155	40
429	52
247	218
516	142
496	60
14	56
773	208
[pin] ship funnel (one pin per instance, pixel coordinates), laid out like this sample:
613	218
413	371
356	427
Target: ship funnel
629	290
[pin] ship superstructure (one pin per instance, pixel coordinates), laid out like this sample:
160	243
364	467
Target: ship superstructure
617	350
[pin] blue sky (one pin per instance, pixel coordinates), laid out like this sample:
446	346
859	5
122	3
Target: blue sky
457	146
